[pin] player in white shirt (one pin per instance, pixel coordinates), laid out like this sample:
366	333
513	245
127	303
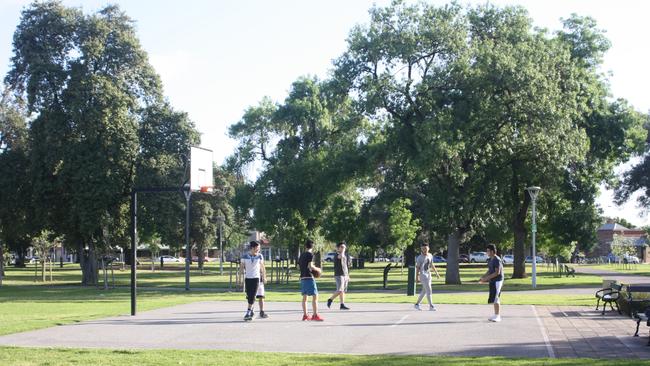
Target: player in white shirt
252	265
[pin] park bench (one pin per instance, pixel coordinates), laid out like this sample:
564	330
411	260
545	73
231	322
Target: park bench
570	271
639	306
609	295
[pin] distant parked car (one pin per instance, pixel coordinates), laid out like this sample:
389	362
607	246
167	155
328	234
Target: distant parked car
463	258
33	259
539	259
478	257
329	257
508	259
631	259
439	259
169	259
396	259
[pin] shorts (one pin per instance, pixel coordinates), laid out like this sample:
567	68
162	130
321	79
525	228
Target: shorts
252	286
495	292
308	286
342	283
260	291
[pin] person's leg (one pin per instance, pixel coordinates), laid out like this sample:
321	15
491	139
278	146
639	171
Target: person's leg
497	299
251	290
314	304
304	305
261	303
426	286
422	290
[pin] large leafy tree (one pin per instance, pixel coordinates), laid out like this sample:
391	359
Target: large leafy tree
307	147
100	125
15	187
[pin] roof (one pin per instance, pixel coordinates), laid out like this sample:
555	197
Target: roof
612	227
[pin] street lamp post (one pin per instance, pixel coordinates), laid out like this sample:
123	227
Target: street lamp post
220	221
533	192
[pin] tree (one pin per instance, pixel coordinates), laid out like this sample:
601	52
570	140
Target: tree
638	178
315	131
88	81
43	243
341	219
402	226
15	186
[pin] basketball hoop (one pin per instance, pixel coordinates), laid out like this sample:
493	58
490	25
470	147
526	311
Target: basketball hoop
206	189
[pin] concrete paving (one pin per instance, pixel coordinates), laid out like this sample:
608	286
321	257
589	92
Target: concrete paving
366	329
455	330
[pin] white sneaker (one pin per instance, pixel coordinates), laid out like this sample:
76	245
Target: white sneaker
417	307
432	308
496	318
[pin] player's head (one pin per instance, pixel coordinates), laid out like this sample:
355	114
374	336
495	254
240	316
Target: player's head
254	246
491	250
309	244
424	248
340	246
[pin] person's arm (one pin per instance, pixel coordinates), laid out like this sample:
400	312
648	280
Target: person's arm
435	269
417	271
263	271
242	267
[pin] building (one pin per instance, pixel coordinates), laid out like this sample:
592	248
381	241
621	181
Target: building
638	237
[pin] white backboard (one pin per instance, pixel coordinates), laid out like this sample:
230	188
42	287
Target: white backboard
200	169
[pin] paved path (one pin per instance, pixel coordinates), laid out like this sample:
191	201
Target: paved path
458	330
613	275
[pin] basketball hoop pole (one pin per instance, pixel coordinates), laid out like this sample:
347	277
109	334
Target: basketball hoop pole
134	237
188	251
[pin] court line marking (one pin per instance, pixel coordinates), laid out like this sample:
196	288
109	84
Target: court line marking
400	321
549	347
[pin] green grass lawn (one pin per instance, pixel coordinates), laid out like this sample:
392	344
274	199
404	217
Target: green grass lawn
47	356
632	269
368	279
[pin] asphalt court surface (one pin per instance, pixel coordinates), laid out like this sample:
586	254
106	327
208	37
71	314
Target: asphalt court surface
459	330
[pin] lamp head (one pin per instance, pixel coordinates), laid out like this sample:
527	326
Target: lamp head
533	191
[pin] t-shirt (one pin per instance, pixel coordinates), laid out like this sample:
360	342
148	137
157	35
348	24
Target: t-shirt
495	264
341	265
424	263
303	262
252	264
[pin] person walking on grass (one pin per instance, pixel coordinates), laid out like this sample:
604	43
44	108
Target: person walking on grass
494	276
252	264
423	266
341	276
308	283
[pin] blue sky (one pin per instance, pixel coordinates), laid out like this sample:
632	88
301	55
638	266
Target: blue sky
218	57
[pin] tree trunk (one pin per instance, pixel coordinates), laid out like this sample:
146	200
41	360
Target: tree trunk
452	275
88	263
43	259
519	230
317	259
2	264
200	257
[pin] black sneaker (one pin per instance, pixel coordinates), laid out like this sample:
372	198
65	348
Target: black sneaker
329	303
248	316
263	315
343	307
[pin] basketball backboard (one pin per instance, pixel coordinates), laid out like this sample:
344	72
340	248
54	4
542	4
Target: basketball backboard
201	170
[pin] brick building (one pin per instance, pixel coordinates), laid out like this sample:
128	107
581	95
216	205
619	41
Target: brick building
638	237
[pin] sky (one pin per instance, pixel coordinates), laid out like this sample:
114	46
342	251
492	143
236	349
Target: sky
216	58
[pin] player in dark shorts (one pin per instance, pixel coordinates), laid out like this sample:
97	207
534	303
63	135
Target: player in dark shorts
495	277
252	264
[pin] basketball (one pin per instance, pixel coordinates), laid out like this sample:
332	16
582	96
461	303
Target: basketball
316	272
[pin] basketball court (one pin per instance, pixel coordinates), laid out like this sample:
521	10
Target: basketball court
366	329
